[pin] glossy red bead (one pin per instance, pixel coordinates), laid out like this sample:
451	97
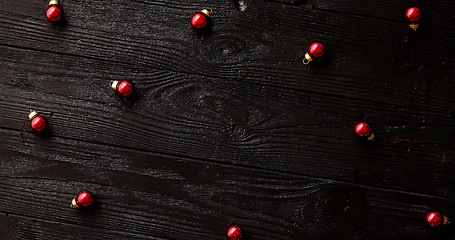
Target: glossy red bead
38	123
125	88
434	219
234	233
199	20
413	14
53	13
84	199
316	50
362	129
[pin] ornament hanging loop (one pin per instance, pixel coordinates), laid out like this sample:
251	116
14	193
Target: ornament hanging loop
23	129
305	61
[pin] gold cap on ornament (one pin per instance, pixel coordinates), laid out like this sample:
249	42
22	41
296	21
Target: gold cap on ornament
74	204
206	12
114	84
414	26
32	114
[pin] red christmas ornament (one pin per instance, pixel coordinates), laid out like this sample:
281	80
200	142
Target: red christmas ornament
316	50
53	12
200	19
413	15
364	131
83	200
234	233
37	122
436	219
124	88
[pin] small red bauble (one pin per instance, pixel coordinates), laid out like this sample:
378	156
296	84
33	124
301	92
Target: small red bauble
124	88
234	233
363	130
83	200
436	219
200	19
37	122
316	50
413	15
53	12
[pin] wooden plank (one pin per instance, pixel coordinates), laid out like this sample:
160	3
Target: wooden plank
159	197
360	59
4	224
232	113
435	14
35	228
233	122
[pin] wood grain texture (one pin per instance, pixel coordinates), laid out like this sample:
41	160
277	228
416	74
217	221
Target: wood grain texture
239	123
158	197
435	14
229	113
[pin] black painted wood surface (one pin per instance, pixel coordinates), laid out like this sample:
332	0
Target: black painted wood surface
230	113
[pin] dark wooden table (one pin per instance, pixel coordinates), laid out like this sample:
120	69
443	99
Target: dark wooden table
230	113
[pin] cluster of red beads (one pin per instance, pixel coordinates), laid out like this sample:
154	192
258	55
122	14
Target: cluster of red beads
53	12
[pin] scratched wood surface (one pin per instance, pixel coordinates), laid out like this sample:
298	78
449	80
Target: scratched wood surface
229	113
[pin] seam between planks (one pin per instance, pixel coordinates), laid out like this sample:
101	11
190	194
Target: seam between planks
227	78
247	167
354	14
68	223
